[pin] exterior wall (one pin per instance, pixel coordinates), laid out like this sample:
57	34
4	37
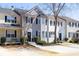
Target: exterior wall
72	30
6	25
43	28
2	32
2	17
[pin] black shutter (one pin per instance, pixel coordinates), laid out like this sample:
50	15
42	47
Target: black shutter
36	21
31	19
26	19
5	18
15	19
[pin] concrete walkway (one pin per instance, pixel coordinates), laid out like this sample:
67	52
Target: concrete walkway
62	49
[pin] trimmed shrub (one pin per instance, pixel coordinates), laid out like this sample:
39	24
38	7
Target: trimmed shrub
23	40
65	39
58	40
39	41
3	40
74	40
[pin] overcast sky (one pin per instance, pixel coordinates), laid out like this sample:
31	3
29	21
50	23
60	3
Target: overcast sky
72	9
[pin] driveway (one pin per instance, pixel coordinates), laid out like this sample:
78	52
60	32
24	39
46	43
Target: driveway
27	50
62	49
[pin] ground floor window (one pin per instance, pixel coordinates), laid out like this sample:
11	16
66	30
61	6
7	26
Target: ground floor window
44	34
10	33
50	34
72	34
38	33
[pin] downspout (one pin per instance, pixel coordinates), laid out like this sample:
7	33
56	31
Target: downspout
47	30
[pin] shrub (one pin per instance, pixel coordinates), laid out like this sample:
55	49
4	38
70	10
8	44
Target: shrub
74	40
23	40
65	39
39	41
3	40
58	40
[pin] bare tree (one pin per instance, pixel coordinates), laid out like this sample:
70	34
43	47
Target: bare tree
56	9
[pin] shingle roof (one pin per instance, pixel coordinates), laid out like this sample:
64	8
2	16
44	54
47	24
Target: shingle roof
6	10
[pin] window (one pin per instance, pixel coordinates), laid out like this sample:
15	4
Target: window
50	22
39	20
42	33
50	34
58	23
39	34
75	24
46	33
36	33
46	22
36	20
70	24
78	24
10	33
10	19
69	34
53	22
61	23
77	35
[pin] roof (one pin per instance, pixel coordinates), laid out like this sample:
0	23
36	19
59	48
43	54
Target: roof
37	10
68	19
6	10
20	11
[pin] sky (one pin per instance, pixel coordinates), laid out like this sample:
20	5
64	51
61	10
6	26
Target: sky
72	9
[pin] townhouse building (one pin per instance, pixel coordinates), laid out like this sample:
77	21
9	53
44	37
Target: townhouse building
16	23
10	24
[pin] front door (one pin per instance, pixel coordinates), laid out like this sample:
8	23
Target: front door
29	36
60	36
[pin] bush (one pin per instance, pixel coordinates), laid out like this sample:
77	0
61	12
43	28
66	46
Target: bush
58	40
3	40
39	41
74	40
65	39
23	40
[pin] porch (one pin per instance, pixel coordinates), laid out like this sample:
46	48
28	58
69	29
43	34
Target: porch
12	35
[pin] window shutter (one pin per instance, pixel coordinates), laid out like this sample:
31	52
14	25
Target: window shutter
15	19
5	18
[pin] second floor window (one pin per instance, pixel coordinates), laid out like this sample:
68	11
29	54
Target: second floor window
61	23
10	19
72	24
46	21
78	24
75	24
51	23
36	20
58	23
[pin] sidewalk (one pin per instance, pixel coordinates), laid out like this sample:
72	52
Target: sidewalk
57	48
